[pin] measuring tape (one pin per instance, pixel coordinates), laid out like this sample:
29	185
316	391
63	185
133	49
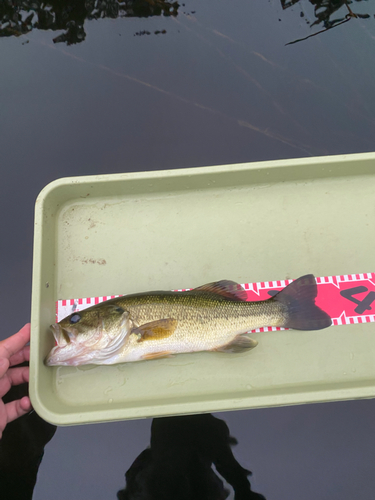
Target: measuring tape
347	298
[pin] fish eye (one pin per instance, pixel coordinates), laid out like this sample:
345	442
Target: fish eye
119	309
75	318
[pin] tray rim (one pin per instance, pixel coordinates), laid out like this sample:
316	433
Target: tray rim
298	398
196	171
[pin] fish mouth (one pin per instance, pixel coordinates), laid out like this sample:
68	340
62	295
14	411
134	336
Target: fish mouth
69	351
65	352
60	356
61	338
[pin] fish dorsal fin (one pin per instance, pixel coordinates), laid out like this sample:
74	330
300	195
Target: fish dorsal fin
226	288
156	330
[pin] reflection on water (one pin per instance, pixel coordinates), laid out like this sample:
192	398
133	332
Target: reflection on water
18	17
325	9
178	463
189	458
328	13
21	450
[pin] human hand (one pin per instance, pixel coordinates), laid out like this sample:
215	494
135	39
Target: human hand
13	351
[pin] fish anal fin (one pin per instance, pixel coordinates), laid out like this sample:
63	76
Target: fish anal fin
238	344
157	355
226	288
156	330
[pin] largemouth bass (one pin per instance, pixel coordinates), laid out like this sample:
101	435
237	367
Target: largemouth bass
212	317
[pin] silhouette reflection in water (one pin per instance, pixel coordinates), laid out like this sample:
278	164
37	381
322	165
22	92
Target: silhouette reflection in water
22	450
178	463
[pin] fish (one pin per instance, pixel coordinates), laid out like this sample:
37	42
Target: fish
151	325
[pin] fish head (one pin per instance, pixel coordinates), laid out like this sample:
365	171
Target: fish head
93	335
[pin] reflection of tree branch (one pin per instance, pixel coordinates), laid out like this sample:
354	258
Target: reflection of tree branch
285	4
71	15
321	31
351	13
323	10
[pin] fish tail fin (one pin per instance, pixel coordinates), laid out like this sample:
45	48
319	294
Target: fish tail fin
302	312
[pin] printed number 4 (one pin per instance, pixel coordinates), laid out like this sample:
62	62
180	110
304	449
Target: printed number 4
362	305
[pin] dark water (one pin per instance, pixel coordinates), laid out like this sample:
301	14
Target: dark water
102	87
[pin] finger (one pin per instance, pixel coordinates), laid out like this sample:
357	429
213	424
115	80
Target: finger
4	365
20	356
13	344
17	408
17	376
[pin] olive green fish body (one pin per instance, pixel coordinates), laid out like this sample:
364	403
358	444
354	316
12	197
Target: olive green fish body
203	321
151	325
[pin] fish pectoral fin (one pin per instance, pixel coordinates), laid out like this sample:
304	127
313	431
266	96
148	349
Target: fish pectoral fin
238	344
156	330
229	289
157	355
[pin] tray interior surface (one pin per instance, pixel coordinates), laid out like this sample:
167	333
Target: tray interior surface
168	230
